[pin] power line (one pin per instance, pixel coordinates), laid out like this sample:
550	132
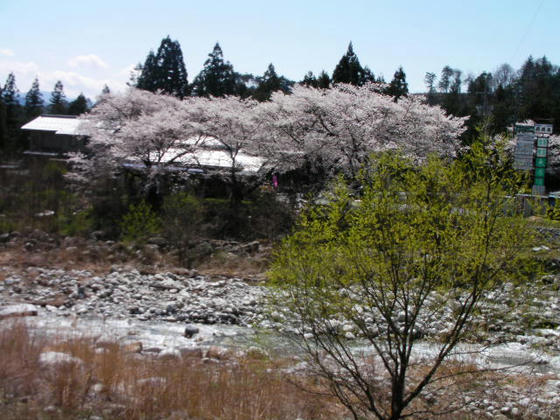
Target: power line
527	31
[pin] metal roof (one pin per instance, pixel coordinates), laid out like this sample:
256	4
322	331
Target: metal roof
58	124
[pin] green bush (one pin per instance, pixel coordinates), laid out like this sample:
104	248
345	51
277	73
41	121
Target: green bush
140	223
553	212
76	224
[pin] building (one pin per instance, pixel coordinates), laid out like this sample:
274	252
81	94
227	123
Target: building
54	135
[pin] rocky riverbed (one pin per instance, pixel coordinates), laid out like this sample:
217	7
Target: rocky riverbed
173	313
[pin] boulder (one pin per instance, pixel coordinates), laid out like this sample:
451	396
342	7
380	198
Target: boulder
190	331
15	311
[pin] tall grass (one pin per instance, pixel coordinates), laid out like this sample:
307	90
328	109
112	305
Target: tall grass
116	384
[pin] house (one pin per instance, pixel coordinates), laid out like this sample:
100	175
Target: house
54	135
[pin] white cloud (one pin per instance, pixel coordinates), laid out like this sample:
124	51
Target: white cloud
19	68
88	60
7	52
75	83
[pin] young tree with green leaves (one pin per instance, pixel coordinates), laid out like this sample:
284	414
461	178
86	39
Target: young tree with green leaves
415	247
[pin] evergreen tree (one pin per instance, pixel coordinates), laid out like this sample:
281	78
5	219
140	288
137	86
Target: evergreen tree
445	79
430	80
369	76
165	71
217	78
78	106
13	112
58	102
349	70
105	90
246	84
398	86
323	81
10	93
453	102
146	79
271	82
3	123
33	101
310	80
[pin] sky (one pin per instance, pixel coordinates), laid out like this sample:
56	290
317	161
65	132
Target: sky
89	44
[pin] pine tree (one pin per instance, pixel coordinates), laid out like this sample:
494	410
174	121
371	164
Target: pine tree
58	102
33	101
146	80
349	70
165	71
430	80
270	82
310	80
10	93
217	78
323	81
13	112
398	86
78	106
3	123
445	79
106	90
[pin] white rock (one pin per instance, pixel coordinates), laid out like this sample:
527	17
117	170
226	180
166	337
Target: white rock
55	358
23	309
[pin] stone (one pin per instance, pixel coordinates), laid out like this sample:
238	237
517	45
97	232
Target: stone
15	311
50	358
191	352
169	353
190	331
134	347
219	353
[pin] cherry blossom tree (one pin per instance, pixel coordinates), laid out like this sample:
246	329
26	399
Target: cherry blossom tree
337	128
342	126
138	130
230	126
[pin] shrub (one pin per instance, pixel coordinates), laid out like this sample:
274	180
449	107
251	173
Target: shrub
140	223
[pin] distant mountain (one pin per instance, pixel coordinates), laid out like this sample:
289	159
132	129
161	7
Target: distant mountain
46	98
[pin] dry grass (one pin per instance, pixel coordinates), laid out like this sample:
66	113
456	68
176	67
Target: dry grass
115	384
230	265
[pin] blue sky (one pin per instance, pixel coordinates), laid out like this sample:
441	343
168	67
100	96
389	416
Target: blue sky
88	44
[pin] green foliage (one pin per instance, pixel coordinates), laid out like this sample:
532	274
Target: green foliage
398	86
349	70
58	104
140	223
553	212
270	82
77	223
413	242
165	71
217	78
33	101
78	106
